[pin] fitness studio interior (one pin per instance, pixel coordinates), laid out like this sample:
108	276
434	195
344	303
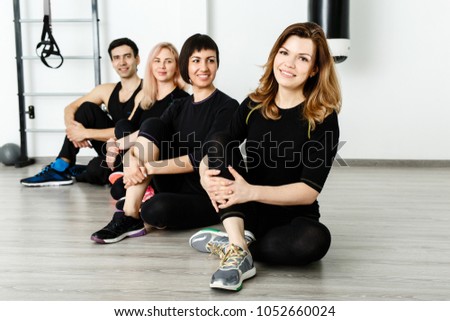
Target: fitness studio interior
385	201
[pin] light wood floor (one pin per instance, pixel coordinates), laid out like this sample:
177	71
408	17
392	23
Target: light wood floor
390	230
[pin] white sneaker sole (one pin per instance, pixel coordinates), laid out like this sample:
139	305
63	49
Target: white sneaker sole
135	233
57	183
235	287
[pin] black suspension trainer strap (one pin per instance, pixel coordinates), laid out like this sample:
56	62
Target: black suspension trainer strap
48	43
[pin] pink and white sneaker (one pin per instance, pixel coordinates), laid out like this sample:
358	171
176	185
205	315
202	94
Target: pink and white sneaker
149	192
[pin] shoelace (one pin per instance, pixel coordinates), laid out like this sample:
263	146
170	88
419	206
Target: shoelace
233	256
44	170
116	222
76	170
216	249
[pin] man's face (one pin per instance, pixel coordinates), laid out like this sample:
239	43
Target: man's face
124	61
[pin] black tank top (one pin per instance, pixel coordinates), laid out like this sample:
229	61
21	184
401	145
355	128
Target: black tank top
118	110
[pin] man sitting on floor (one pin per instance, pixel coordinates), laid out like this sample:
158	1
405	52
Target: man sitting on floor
89	126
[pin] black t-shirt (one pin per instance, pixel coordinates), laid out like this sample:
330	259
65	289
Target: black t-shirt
192	125
285	151
157	109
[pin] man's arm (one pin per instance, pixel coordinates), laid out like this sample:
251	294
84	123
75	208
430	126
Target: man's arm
78	133
99	95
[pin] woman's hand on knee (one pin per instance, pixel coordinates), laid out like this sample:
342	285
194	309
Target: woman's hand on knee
112	150
133	172
214	187
238	192
207	179
134	176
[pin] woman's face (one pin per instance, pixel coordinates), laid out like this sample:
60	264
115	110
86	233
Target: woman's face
294	63
202	68
164	66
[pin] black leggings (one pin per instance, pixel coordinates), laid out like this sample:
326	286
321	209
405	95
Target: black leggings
89	115
159	183
179	211
286	235
177	204
123	128
170	208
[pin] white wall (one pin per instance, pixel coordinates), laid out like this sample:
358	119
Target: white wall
146	22
394	81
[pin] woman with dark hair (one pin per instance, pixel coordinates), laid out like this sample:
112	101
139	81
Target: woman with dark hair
291	129
168	152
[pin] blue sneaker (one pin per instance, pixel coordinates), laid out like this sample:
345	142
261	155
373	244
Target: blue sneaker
48	177
76	170
235	267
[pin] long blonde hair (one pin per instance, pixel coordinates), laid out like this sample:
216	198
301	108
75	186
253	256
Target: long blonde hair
150	86
322	91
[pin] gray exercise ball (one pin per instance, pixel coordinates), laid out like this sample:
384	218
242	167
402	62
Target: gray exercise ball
9	154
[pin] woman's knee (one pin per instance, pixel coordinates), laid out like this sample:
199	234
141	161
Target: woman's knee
123	128
153	127
312	243
301	243
223	152
118	189
155	211
153	138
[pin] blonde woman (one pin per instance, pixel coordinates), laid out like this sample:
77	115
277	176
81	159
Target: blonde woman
162	85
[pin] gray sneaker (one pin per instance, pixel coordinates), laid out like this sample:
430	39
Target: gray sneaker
235	267
211	240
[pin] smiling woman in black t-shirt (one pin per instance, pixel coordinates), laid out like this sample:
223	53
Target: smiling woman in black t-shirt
169	150
269	208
